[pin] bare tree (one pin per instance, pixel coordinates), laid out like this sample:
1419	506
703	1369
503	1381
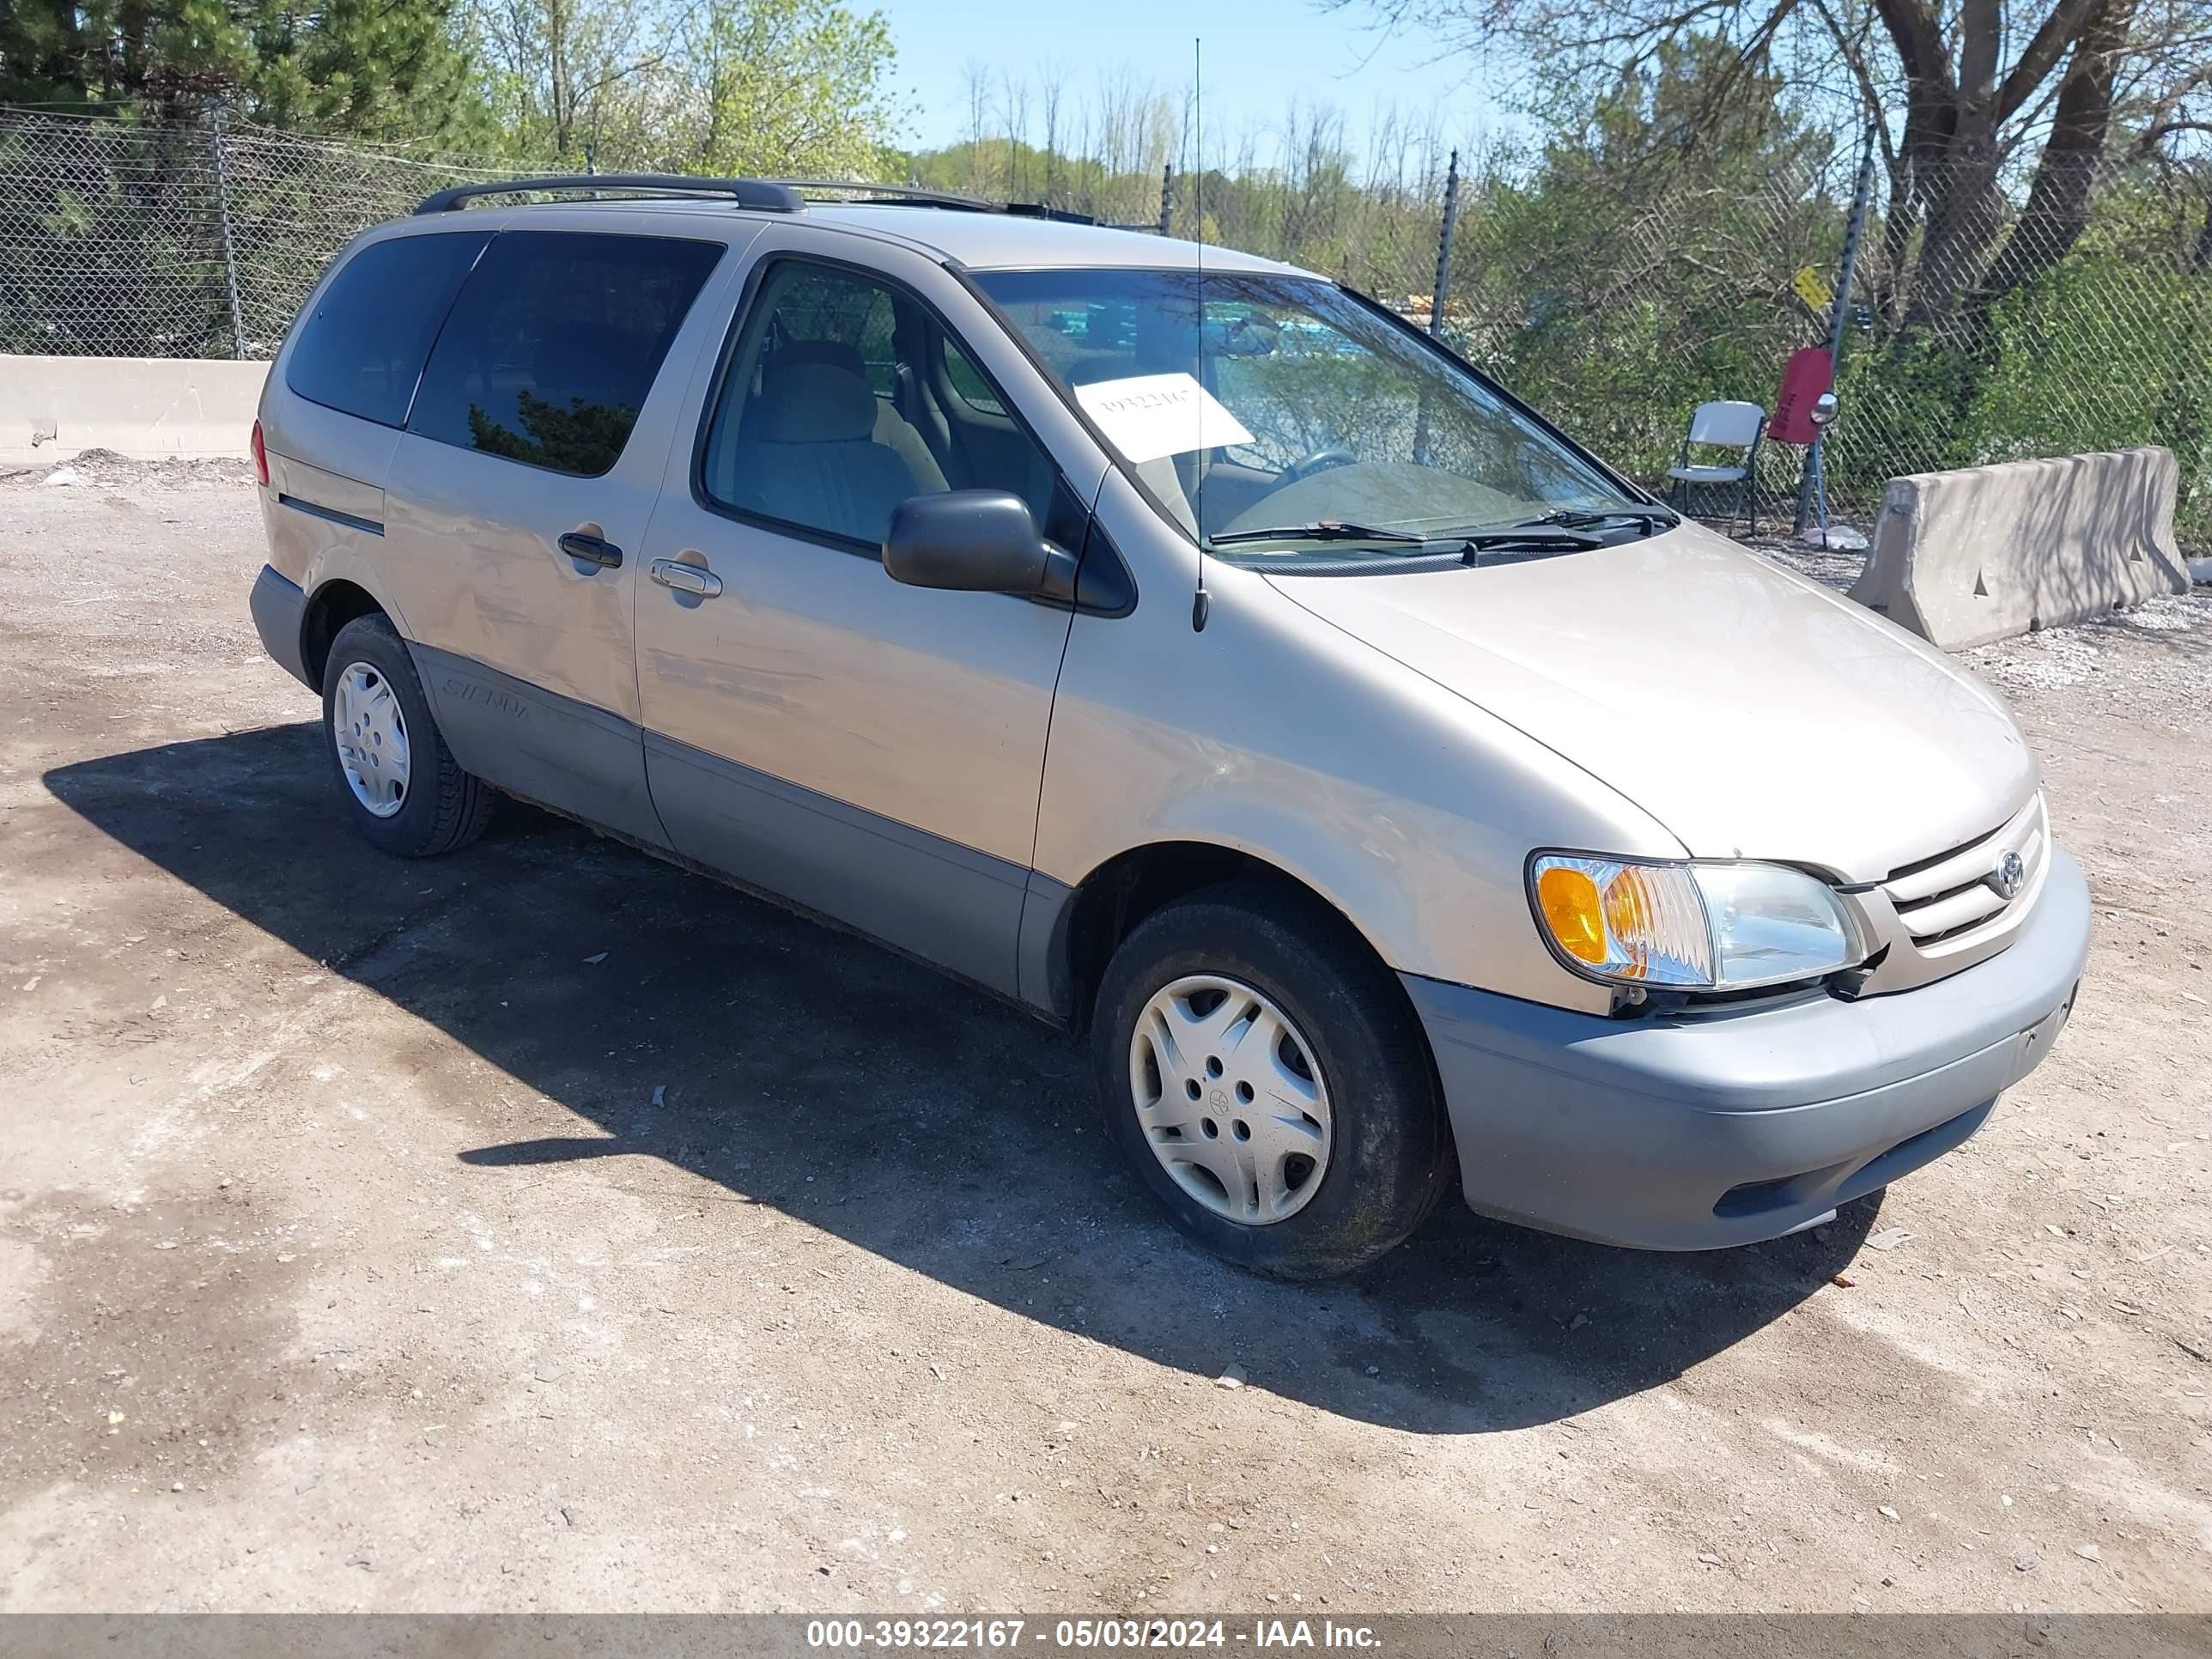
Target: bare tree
975	82
1052	87
1972	93
1111	104
557	64
1014	90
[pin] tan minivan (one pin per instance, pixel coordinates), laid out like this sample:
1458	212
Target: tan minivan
1185	647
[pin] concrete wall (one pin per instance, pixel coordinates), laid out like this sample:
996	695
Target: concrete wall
51	408
1989	552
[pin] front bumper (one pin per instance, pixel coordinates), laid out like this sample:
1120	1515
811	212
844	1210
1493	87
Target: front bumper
1695	1131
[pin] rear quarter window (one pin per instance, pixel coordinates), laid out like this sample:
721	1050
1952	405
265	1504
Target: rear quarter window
361	350
554	342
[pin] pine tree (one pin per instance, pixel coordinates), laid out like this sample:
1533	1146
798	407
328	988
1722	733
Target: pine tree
370	68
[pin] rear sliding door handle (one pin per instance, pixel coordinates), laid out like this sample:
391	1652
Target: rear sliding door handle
687	578
592	549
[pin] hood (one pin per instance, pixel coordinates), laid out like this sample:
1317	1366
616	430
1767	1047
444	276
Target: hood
1751	711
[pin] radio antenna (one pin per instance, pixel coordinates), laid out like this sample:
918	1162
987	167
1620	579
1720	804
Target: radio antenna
1199	605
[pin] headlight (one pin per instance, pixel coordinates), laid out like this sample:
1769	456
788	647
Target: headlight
1714	926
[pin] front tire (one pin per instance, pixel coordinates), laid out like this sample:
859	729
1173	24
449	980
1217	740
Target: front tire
1268	1083
400	785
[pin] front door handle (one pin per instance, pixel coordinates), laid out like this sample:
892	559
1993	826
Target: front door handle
686	578
592	549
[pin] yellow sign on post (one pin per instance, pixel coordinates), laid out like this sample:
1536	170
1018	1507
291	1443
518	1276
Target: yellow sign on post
1813	288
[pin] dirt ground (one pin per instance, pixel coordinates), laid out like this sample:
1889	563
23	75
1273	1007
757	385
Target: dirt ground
543	1228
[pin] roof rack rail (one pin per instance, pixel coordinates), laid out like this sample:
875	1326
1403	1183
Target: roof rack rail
1059	215
916	196
766	195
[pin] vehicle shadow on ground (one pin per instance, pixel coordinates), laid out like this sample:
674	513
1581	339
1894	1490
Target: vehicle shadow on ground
912	1116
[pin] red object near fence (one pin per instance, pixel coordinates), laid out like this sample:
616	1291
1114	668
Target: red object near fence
1810	374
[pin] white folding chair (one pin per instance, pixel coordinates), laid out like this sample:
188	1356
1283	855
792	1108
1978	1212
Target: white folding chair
1722	426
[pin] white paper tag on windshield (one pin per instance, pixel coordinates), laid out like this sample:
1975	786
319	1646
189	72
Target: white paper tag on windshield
1148	416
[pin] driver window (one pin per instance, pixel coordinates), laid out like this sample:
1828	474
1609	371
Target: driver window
823	422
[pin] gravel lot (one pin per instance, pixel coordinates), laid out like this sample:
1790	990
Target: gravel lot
544	1228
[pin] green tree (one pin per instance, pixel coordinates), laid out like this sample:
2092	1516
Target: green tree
564	79
789	87
761	87
372	68
1637	264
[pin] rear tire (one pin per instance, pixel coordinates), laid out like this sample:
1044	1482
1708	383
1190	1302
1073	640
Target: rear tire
1313	1154
400	784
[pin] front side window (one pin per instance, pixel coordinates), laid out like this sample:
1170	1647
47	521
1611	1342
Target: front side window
554	342
829	417
968	383
360	350
1280	403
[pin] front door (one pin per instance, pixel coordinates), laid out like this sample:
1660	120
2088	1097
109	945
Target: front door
518	497
868	750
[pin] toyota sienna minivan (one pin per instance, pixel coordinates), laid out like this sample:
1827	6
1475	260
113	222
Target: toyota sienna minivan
1180	645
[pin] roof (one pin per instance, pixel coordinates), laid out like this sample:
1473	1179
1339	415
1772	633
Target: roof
988	241
980	241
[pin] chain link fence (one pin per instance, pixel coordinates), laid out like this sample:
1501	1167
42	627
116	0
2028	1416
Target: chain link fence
1617	301
188	240
1614	301
1619	323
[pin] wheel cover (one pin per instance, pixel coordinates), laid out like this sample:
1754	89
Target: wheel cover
1230	1099
371	734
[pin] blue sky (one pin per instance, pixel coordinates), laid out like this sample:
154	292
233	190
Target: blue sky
1259	58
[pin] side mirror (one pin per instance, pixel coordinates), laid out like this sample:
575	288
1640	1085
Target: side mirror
975	541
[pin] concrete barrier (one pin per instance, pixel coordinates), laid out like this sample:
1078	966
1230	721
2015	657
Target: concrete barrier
51	408
1963	558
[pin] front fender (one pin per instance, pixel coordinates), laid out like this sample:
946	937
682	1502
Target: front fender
1277	734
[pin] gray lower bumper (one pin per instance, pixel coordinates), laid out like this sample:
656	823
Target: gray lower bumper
1697	1132
279	609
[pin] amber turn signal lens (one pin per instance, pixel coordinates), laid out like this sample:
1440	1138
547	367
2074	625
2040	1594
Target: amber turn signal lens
1636	922
1568	899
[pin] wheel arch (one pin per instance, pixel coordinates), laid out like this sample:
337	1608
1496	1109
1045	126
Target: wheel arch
1414	1159
1091	919
329	608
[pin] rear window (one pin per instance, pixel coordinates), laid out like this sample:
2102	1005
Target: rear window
362	351
554	342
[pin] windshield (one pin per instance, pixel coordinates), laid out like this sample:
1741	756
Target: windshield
1285	419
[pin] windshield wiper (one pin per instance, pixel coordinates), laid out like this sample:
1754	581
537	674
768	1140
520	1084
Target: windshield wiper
1653	518
1323	530
1534	533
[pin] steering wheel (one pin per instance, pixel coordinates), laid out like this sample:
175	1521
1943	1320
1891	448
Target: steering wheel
1320	461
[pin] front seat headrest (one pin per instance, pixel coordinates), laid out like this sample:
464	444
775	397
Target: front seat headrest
835	353
814	404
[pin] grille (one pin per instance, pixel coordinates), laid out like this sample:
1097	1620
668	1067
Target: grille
1948	896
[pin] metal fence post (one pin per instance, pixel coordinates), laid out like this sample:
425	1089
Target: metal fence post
1444	233
1860	197
1444	248
1167	201
222	218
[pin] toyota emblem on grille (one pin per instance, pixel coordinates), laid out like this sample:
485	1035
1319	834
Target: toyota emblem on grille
2005	880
